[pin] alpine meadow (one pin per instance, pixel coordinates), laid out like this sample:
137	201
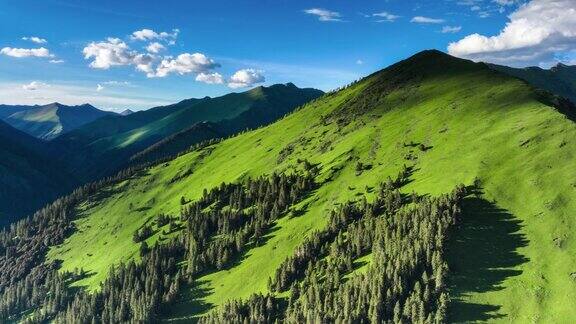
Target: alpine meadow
294	188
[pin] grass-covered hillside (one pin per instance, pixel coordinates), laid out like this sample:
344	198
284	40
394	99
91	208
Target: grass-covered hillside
101	147
49	121
440	122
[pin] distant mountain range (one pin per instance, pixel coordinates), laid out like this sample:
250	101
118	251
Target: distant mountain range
99	148
560	79
49	121
48	150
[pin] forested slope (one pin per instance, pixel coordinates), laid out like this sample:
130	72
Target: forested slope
28	174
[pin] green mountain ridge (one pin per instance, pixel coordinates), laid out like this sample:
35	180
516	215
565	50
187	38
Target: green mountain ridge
399	137
50	121
559	79
115	139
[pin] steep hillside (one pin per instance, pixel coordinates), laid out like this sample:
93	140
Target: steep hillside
560	79
115	139
29	176
49	121
423	126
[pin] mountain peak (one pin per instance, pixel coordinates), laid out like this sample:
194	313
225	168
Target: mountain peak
126	112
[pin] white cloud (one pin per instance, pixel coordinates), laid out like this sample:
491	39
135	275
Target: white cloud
184	64
324	15
451	29
210	78
426	20
536	32
35	39
155	47
115	52
505	2
468	2
99	88
245	78
26	52
475	8
56	61
118	83
385	16
144	63
148	34
34	85
111	52
359	62
484	14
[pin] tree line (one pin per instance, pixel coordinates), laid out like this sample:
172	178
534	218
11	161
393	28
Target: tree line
404	236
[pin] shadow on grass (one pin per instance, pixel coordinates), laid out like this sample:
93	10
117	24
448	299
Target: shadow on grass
482	253
190	304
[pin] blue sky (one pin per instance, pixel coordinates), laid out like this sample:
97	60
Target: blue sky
59	50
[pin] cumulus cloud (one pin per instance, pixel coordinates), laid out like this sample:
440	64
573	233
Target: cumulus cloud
385	16
111	52
149	34
426	20
451	29
35	39
184	64
99	87
324	15
155	47
34	85
115	52
245	78
537	32
210	78
26	52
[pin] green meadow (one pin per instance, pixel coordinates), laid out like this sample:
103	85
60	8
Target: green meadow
511	258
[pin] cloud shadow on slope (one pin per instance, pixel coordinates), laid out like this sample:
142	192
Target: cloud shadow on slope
482	254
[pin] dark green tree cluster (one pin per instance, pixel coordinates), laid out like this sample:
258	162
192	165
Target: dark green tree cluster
134	292
217	229
26	281
238	215
257	309
404	283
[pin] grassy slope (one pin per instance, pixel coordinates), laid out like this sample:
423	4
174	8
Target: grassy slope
477	122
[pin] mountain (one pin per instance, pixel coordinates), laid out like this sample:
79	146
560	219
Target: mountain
434	177
29	176
126	112
114	139
52	120
560	79
7	110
